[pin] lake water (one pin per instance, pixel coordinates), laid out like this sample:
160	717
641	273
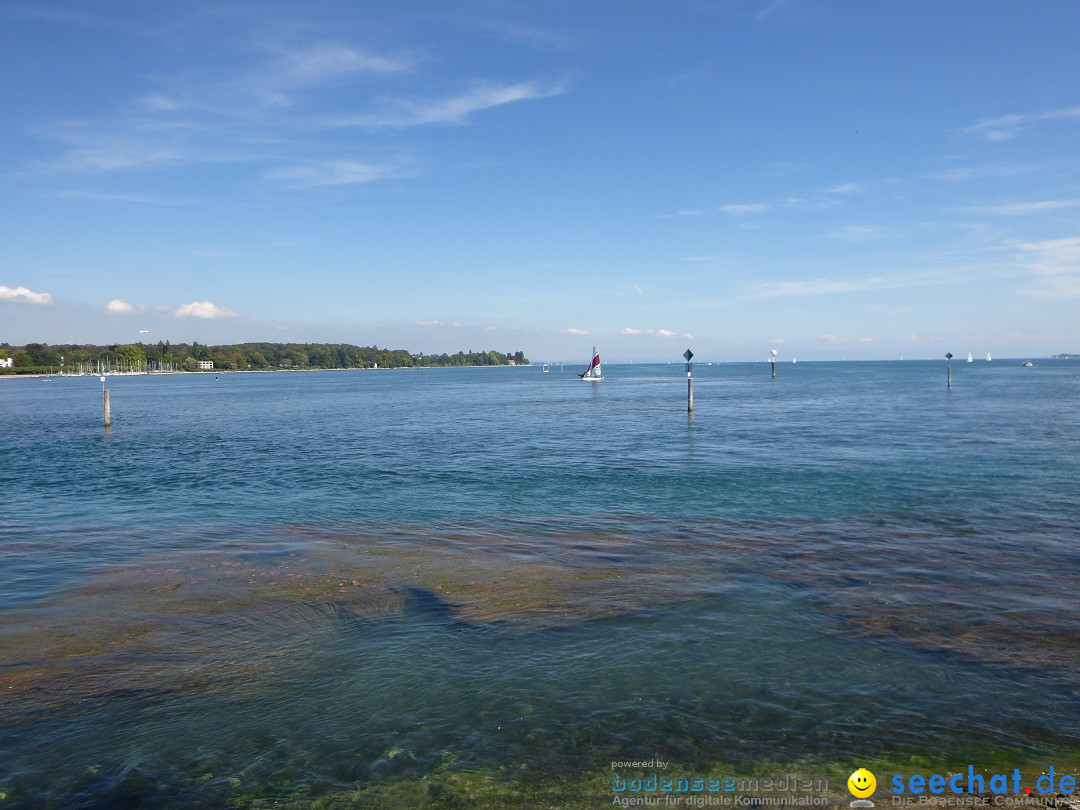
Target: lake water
369	587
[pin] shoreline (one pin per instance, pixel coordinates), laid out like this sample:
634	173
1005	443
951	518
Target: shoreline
243	371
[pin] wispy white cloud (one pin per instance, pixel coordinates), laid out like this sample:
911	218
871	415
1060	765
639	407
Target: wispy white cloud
534	37
24	295
138	199
203	309
965	173
457	109
858	233
31	12
843	188
830	338
652	332
1006	127
784	168
739	209
572	331
330	60
334	173
258	112
118	306
769	9
665	333
825	286
92	148
1055	264
817	203
277	81
1035	207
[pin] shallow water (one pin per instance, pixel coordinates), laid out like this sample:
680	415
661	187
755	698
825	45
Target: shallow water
293	584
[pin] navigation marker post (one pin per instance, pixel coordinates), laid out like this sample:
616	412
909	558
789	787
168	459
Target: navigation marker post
772	360
689	381
948	357
105	398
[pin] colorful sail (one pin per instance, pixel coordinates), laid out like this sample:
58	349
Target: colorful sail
593	372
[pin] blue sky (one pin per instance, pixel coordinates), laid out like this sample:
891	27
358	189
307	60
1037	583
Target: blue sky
829	179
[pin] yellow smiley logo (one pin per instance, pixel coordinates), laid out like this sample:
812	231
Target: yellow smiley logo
861	783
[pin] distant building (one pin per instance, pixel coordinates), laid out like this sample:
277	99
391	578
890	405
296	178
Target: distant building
7	362
206	365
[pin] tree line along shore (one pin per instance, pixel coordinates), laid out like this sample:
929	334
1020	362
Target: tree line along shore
163	356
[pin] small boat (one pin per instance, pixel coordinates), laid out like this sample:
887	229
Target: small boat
988	357
969	358
593	373
1028	364
545	369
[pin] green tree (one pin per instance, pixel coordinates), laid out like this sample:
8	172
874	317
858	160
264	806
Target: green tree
131	356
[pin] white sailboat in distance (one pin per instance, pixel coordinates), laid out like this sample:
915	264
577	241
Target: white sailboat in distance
593	373
969	358
988	357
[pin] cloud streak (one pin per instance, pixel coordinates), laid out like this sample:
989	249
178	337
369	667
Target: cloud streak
138	199
319	63
825	286
1056	265
261	113
740	209
1007	127
1037	207
334	173
452	110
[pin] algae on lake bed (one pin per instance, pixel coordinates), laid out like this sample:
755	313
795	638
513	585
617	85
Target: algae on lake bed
503	625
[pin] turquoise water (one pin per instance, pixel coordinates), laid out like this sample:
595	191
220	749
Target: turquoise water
299	583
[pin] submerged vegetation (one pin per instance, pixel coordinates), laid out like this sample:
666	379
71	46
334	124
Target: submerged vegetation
41	358
235	629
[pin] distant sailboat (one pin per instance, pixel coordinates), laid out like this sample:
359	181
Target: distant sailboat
545	369
969	358
794	360
988	357
593	373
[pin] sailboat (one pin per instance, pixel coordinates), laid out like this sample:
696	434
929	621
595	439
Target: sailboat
969	358
545	369
593	373
988	357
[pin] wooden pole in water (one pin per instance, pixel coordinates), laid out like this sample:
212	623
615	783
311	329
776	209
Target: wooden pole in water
948	358
772	360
